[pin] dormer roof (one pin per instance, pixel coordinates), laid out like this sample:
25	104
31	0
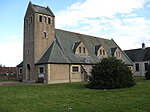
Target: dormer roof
75	45
113	50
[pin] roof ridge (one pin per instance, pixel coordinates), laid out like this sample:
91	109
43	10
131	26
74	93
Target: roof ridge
137	49
81	34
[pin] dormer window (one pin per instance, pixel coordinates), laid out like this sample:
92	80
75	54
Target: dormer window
79	48
116	52
82	50
100	51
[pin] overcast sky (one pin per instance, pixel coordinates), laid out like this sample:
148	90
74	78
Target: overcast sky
126	21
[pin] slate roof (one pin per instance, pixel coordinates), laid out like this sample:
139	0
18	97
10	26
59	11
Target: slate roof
138	55
20	64
62	50
113	50
41	9
54	55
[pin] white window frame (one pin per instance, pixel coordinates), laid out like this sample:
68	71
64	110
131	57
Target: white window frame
41	67
75	66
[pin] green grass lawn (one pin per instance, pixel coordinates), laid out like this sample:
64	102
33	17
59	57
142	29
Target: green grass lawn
74	97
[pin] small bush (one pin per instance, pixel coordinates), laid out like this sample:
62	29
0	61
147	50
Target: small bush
111	73
147	74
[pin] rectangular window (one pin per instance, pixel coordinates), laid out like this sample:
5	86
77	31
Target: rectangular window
103	52
100	52
75	69
83	49
31	19
79	49
137	67
41	69
49	20
146	66
20	71
40	18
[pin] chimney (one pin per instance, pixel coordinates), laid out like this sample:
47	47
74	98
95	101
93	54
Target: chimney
143	46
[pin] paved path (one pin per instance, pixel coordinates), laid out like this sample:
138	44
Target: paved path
9	83
12	83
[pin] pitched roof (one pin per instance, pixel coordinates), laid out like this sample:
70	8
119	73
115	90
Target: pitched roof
20	65
53	55
62	50
41	9
138	55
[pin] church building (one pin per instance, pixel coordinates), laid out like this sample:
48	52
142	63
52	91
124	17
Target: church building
57	56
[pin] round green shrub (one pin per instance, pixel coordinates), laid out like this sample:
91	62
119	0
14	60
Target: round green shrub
110	73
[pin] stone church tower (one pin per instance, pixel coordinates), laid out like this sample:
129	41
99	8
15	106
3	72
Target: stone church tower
39	32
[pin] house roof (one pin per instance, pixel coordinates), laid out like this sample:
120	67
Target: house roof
137	55
62	50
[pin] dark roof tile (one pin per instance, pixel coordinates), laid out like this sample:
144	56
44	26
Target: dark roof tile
61	51
137	55
43	10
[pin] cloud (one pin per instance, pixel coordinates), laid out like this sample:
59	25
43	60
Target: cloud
117	19
11	50
95	9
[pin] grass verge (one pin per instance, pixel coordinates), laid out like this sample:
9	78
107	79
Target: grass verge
74	97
